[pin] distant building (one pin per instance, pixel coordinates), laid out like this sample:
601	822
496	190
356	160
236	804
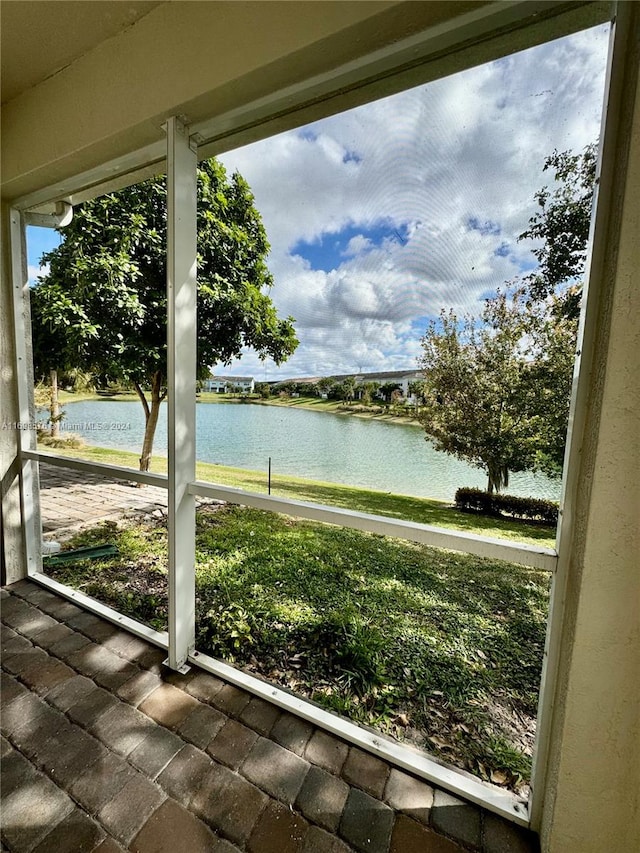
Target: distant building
229	384
401	377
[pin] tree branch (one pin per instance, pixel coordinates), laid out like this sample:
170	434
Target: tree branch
143	400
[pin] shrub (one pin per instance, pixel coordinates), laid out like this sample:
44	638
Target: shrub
531	509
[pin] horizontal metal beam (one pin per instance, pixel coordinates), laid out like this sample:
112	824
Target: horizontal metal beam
406	63
496	800
437	537
158	638
60	219
115	472
532	556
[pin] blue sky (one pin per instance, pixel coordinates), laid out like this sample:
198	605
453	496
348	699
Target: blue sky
381	216
39	241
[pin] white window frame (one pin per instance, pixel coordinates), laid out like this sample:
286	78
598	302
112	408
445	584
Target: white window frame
469	40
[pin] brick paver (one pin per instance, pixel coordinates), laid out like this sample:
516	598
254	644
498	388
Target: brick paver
98	785
278	831
260	715
232	743
105	751
183	777
292	733
121	728
410	835
502	837
366	823
233	808
171	828
201	725
125	815
322	798
168	705
276	770
326	751
409	795
76	833
25	791
456	818
366	771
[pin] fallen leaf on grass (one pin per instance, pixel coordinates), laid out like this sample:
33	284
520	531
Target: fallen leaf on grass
499	777
440	742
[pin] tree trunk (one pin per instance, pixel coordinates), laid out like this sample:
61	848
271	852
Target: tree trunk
54	405
151	413
498	476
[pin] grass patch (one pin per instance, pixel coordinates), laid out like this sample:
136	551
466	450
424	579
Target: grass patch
420	510
440	649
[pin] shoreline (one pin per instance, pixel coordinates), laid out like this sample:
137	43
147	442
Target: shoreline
308	404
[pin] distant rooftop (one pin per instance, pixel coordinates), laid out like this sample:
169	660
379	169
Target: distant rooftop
213	376
385	375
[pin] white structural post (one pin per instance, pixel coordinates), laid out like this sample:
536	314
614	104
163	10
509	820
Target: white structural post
181	383
29	484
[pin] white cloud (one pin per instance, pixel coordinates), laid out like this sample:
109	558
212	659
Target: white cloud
35	272
429	162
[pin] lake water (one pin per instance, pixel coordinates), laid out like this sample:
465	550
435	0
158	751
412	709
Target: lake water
315	445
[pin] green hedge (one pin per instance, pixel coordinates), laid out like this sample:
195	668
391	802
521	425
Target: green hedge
531	509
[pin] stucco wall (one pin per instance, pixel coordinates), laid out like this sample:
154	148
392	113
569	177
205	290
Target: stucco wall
593	782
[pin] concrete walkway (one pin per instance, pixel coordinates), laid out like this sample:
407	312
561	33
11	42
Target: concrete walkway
103	749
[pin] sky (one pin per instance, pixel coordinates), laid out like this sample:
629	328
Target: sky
380	216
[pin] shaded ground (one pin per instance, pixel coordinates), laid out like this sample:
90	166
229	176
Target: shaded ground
440	649
105	750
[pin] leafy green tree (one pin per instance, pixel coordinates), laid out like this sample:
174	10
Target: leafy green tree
368	390
325	384
348	388
416	389
496	389
104	299
387	390
562	224
263	389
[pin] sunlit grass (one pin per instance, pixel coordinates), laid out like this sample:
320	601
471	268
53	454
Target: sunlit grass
443	649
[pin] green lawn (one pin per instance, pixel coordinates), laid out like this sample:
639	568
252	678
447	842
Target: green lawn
440	649
421	510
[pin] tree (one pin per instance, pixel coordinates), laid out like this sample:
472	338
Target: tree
417	390
104	297
490	384
325	384
562	223
50	352
263	389
368	390
348	388
497	388
388	389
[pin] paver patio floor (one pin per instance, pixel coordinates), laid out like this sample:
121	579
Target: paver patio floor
104	749
71	500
